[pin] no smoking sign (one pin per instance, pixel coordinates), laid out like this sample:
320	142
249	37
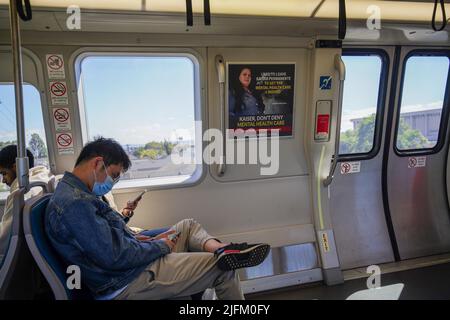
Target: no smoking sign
58	92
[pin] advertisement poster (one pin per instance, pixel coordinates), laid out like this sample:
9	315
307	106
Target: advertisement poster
261	96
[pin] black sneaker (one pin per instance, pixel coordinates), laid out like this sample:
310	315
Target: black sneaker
241	255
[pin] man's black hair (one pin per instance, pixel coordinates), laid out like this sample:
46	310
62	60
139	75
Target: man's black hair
8	157
109	149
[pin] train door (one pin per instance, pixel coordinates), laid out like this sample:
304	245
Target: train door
389	195
416	157
356	194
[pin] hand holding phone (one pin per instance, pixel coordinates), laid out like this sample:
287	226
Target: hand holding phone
132	204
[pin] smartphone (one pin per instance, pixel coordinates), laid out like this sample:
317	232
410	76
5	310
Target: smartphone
173	236
139	197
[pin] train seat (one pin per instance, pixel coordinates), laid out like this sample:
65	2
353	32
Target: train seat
53	182
12	239
14	256
51	265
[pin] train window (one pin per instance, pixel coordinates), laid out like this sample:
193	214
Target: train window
422	101
149	105
360	105
34	124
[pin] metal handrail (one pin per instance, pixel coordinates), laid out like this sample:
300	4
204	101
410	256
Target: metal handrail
220	67
22	166
340	67
40	184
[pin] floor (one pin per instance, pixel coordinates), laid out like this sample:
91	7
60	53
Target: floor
428	283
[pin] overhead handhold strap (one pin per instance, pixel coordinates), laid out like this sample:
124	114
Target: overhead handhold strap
24	13
207	12
444	16
189	14
342	31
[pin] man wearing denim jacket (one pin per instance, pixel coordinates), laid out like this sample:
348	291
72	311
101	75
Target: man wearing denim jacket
118	264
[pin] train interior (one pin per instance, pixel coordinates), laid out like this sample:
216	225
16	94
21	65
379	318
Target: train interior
351	193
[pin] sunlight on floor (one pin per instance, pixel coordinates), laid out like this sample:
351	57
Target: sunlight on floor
391	292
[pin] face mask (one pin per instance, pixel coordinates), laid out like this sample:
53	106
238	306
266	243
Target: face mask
102	188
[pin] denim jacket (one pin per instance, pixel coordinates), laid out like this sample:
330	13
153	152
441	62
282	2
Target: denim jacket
86	232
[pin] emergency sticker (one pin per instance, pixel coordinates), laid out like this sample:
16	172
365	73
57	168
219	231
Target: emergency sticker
61	119
350	167
325	243
55	66
58	92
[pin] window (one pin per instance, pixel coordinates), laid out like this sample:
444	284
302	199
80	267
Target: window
34	124
422	102
360	103
149	104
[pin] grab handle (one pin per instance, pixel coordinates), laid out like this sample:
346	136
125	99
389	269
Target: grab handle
340	67
220	67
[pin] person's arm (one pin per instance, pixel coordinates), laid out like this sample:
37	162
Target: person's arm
109	247
125	212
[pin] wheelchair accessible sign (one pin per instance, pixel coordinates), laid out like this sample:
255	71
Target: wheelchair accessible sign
325	82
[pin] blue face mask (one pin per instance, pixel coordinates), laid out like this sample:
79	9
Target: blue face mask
102	188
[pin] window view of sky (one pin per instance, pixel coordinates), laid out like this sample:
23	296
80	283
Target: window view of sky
362	81
139	99
34	122
32	108
420	93
425	82
147	104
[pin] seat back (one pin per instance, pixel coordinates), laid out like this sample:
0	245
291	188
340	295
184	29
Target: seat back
48	260
12	241
53	182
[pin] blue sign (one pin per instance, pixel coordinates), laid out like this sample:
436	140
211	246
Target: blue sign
325	82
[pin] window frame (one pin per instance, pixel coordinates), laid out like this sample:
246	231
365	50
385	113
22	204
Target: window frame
133	185
36	78
4	194
445	106
381	102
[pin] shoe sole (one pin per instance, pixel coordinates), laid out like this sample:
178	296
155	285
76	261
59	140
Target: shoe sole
243	259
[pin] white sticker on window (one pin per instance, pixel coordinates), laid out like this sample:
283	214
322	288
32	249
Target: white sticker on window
350	167
55	66
417	162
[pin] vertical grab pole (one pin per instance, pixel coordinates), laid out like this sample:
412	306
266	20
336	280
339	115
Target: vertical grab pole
340	67
220	67
22	166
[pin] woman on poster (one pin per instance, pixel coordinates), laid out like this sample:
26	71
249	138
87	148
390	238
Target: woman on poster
244	100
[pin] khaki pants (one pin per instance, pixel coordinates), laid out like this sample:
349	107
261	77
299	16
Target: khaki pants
185	271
